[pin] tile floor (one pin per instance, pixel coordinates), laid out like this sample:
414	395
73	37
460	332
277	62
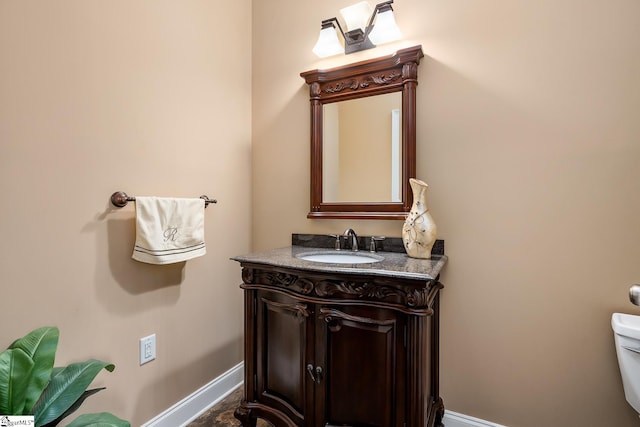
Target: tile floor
221	415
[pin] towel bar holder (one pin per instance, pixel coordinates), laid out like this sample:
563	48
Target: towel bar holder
120	199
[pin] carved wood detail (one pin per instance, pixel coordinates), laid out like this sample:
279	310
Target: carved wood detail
329	315
278	279
363	83
414	295
300	310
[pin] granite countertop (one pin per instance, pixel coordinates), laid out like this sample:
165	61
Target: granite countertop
393	264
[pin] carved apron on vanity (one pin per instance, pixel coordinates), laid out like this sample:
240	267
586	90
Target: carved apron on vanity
419	231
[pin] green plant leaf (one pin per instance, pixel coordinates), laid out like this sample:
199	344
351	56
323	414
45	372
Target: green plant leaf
66	386
73	407
103	419
15	372
40	345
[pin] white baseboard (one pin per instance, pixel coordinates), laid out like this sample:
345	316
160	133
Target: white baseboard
189	408
194	405
453	419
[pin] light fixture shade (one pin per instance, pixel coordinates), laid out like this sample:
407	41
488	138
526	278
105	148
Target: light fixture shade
385	29
357	15
328	43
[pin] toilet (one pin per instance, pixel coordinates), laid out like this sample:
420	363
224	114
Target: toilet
626	328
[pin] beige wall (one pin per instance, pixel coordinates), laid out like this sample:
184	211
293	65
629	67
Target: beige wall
150	98
529	137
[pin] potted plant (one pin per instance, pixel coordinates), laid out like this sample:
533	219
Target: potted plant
31	385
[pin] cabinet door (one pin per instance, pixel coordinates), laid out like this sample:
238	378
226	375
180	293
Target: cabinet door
362	353
284	338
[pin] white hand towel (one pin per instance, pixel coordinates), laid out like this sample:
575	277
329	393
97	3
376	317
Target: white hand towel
168	230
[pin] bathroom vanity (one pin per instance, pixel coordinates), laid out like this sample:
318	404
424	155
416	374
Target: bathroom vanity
341	344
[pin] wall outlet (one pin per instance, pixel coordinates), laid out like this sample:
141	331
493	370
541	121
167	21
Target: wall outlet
147	349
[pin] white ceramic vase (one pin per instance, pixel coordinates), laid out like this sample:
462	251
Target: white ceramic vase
419	230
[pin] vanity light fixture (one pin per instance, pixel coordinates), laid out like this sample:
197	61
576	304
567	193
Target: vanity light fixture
362	33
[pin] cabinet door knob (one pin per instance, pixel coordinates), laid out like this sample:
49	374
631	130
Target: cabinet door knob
318	373
310	370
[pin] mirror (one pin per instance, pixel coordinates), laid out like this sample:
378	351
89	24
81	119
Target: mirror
361	150
363	137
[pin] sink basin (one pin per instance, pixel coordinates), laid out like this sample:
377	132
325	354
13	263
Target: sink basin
335	257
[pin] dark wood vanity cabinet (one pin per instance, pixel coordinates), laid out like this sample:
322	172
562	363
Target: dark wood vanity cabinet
325	349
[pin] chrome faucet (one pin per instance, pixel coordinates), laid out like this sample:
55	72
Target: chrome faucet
354	238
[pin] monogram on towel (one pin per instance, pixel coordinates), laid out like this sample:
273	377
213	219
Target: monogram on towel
169	230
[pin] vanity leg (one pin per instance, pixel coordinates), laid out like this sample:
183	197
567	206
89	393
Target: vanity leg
245	416
435	346
438	414
438	404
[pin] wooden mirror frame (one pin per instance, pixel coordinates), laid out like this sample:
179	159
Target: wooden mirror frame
394	73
